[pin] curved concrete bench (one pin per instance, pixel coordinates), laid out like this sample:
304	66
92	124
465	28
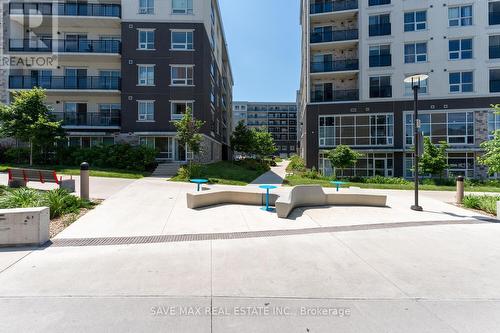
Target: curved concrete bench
313	195
217	197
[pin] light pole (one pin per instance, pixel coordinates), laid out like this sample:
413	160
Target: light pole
415	82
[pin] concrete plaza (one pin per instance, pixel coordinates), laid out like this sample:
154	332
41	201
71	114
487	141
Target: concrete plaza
163	267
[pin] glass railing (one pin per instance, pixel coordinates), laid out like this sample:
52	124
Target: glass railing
381	92
62	45
88	118
335	96
380	29
65	82
378	2
495	52
334	36
335	66
65	9
381	60
333	6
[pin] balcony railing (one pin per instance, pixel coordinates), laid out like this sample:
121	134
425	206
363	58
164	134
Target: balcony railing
378	2
333	6
381	60
494	18
88	118
335	66
65	9
335	96
495	52
382	29
334	36
494	86
65	82
65	45
381	92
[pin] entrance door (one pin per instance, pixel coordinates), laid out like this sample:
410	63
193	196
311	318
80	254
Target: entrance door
380	167
81	114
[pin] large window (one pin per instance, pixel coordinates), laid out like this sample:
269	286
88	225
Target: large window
461	82
146	74
460	16
182	75
494	47
380	87
146	111
494	80
182	40
146	39
460	49
415	52
90	141
368	165
178	109
379	25
362	130
493	124
460	164
455	128
415	21
182	6
146	6
380	55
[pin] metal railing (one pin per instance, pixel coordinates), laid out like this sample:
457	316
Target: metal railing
88	118
381	60
335	96
65	82
65	9
65	45
380	91
333	6
334	36
335	66
382	29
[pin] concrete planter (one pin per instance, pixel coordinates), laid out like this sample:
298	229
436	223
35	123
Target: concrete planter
498	210
24	226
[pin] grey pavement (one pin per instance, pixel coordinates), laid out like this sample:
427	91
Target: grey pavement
435	275
275	176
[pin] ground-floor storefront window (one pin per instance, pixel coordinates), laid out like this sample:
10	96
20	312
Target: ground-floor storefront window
90	141
369	165
460	164
168	148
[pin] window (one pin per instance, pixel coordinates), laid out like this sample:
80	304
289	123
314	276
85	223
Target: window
460	16
380	86
494	80
378	2
368	165
146	75
379	25
461	82
147	142
146	110
178	109
494	13
182	40
380	55
495	47
146	39
415	21
182	75
456	128
109	115
423	87
182	6
415	52
146	6
460	49
493	124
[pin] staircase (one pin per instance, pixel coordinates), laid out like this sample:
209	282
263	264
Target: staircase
166	170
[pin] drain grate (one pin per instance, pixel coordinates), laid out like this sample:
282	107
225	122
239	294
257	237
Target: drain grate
106	241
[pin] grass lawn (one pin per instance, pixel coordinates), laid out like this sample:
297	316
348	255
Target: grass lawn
75	171
295	180
225	172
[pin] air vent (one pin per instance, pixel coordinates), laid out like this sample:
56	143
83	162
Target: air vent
445	106
130	98
130	62
433	107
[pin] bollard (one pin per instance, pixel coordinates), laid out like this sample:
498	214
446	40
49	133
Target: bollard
460	190
84	181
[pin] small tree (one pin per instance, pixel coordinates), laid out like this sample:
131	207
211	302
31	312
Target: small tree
491	156
241	139
188	133
343	157
434	160
28	119
262	143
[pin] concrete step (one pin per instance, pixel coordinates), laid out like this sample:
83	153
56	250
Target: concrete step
166	170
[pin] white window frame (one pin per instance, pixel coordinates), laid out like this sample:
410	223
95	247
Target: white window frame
416	54
144	45
148	81
186	81
148	8
175	116
460	19
461	83
415	23
146	117
460	50
188	9
182	46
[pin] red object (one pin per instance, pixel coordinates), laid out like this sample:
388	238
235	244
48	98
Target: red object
24	176
41	177
10	174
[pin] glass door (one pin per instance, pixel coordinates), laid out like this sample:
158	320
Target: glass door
380	167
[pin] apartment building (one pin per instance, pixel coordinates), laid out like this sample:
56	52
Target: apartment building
356	55
126	69
279	119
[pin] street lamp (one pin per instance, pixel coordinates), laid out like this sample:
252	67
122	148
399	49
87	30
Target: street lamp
415	82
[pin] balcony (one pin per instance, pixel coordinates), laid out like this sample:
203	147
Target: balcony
382	29
334	36
89	119
335	96
65	82
335	66
65	9
65	46
495	52
333	6
382	60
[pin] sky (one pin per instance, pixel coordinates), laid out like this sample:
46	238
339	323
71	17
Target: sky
263	38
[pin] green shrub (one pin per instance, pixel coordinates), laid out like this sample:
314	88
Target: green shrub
254	165
439	181
190	171
386	180
16	155
485	203
312	174
296	164
21	198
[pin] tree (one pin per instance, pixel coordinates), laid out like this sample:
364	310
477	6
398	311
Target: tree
28	119
343	157
241	139
491	156
262	143
434	160
188	132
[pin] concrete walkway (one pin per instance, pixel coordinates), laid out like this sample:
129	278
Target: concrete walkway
345	269
273	177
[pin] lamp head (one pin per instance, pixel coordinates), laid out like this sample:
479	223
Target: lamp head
416	79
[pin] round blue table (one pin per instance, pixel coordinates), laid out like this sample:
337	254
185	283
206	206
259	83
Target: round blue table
267	188
199	182
338	184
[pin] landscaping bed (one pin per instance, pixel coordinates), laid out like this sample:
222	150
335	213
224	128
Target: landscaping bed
75	171
484	203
